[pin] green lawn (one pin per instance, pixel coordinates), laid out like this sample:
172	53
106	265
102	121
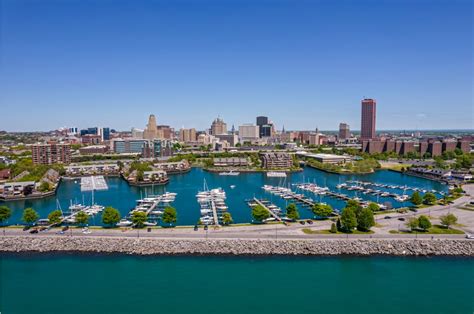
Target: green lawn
310	231
436	229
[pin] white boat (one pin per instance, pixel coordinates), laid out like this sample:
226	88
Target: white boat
150	224
124	223
232	186
275	174
229	173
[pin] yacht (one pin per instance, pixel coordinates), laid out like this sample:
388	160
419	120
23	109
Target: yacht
124	223
230	173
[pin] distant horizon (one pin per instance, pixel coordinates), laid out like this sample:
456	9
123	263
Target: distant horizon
302	64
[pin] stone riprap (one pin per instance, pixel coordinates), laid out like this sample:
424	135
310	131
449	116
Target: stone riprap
156	246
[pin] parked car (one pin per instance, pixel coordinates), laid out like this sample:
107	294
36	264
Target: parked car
309	221
469	236
302	222
387	217
34	231
401	219
196	227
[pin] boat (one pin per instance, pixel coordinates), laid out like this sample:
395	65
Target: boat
124	223
232	186
275	174
150	224
229	173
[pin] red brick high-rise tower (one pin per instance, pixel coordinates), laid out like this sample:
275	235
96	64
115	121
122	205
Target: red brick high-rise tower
368	114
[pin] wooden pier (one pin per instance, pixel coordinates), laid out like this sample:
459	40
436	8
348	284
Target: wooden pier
256	200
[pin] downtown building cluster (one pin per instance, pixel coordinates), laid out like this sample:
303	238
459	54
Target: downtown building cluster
160	140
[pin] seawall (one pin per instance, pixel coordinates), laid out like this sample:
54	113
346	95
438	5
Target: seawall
159	246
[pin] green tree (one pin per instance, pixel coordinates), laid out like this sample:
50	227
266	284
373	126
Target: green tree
355	206
464	161
110	216
365	220
448	220
322	210
82	218
338	224
30	216
333	228
259	213
412	223
140	175
348	219
429	198
424	223
373	207
139	218
292	212
44	187
169	215
416	198
5	213
227	218
54	217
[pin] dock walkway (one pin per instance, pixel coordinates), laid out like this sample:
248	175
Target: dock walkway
264	206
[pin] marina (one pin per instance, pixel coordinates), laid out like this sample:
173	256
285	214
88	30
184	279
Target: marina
152	206
238	189
275	211
212	205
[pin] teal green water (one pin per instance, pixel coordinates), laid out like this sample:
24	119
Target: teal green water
247	185
127	284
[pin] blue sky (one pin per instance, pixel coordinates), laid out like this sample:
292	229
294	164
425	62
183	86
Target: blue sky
302	63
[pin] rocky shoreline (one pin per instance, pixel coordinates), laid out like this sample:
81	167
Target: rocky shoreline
321	247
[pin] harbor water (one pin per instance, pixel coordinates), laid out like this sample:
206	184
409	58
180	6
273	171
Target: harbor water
238	189
128	284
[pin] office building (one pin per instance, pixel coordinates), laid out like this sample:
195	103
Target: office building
266	130
165	132
261	120
249	132
105	134
187	135
368	116
47	154
151	130
218	127
127	146
344	132
91	139
232	139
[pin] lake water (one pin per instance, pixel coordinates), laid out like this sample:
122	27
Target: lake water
123	197
127	284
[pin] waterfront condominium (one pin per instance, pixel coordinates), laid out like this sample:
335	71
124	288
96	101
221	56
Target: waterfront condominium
368	114
47	154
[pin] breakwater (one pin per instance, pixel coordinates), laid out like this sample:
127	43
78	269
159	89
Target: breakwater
159	246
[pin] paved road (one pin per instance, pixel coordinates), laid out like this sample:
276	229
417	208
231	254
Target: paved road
292	231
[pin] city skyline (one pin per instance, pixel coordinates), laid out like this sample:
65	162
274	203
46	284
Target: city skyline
305	65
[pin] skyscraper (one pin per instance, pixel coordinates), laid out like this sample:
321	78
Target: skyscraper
261	120
368	114
151	131
344	132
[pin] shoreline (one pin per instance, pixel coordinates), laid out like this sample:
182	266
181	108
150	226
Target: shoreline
235	247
